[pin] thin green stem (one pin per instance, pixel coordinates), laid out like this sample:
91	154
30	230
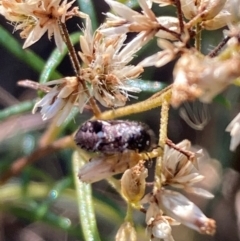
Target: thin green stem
85	202
129	214
16	109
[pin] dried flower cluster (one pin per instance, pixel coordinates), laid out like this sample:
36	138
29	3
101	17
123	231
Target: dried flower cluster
105	66
102	72
35	17
179	170
105	54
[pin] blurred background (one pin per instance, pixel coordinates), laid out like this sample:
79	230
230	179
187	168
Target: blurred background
40	204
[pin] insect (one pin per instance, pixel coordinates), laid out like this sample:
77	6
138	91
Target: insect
115	136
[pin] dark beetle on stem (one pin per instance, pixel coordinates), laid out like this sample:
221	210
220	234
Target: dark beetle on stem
115	136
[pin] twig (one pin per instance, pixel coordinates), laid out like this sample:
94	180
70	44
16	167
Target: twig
190	155
162	140
198	37
76	66
19	164
153	102
34	85
180	15
72	52
175	34
161	92
214	52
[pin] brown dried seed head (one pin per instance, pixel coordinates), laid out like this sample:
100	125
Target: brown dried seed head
133	183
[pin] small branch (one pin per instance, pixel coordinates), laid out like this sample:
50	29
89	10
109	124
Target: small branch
94	107
21	163
34	85
214	52
162	140
76	66
164	121
72	52
194	20
190	155
180	15
198	37
175	34
161	92
153	102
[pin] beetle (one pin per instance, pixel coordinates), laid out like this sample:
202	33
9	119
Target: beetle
115	136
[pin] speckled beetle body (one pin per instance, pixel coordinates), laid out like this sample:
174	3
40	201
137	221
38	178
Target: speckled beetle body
115	136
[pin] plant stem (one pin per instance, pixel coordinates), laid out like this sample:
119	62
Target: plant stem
85	202
162	140
129	214
198	37
214	52
180	15
152	102
16	109
76	66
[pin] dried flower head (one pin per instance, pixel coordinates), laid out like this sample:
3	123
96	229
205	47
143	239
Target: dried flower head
104	166
106	68
219	21
133	183
180	211
158	225
186	212
201	77
201	10
178	170
126	232
169	53
35	17
128	20
159	228
58	102
230	16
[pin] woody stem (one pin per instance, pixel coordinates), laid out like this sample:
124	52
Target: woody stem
76	66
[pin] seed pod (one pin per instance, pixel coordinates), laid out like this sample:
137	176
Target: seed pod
115	136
